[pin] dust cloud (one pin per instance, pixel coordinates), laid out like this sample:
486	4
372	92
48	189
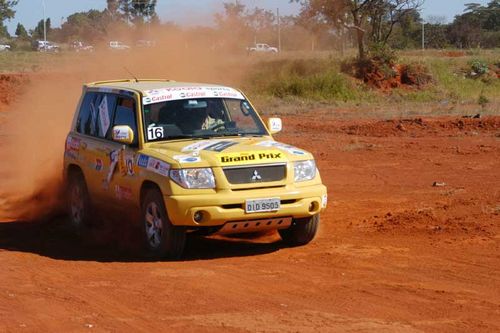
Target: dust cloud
33	136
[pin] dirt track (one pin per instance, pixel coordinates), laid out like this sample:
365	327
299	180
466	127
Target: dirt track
394	253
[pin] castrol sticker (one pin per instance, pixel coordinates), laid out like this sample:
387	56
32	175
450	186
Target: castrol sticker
179	93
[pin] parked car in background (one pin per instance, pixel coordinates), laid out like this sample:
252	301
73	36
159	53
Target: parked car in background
118	46
79	46
143	43
262	48
4	47
46	46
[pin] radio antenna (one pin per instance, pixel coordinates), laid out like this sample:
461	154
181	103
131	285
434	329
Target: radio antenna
135	78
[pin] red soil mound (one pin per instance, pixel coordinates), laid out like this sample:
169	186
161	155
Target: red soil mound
10	87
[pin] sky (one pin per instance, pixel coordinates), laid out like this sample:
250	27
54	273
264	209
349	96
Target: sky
190	12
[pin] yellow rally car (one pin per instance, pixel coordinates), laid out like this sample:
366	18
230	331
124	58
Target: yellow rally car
187	157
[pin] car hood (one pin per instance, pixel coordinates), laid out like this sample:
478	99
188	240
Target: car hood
221	152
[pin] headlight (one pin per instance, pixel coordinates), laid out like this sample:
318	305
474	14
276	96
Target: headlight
193	178
304	170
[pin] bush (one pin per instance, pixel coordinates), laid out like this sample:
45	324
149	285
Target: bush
382	53
478	67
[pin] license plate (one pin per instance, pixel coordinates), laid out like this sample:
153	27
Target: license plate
262	205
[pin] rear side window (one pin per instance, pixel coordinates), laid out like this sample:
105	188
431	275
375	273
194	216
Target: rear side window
125	115
84	121
95	114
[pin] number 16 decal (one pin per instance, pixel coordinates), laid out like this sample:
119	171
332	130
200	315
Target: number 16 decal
155	133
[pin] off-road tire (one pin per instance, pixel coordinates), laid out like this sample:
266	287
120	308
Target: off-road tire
78	204
301	232
162	240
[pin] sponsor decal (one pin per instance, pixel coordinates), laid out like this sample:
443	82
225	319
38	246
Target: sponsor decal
251	157
114	159
142	161
324	200
98	164
200	145
153	164
73	144
158	166
126	164
176	93
220	146
288	148
121	133
72	148
123	193
187	159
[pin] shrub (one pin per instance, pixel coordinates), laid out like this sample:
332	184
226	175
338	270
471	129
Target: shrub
382	53
478	67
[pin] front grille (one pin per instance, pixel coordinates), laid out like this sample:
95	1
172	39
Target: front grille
255	174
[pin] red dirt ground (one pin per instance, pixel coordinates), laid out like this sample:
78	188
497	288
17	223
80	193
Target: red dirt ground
394	253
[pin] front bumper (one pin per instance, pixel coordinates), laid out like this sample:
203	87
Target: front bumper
227	205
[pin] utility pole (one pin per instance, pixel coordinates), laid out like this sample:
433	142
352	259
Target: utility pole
44	23
279	30
423	35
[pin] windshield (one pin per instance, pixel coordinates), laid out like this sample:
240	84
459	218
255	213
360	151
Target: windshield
201	118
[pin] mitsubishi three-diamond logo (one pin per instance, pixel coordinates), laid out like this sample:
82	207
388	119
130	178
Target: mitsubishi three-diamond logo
256	176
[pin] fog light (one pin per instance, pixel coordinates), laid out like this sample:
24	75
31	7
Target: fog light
198	216
313	206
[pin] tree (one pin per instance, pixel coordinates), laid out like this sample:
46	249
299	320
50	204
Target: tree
232	26
37	33
478	26
135	11
6	13
87	26
373	18
21	32
112	8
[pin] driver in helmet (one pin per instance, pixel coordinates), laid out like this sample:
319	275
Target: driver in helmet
199	118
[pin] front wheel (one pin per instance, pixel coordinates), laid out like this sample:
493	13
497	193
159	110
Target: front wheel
301	232
161	238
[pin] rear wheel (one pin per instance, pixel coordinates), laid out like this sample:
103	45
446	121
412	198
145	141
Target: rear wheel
301	232
78	203
161	238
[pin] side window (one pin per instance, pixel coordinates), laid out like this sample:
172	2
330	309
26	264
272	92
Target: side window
242	113
103	108
125	115
84	121
96	113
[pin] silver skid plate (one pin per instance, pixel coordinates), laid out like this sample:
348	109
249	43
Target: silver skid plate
255	225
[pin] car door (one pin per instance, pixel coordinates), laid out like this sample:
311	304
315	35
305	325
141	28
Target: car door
124	183
97	151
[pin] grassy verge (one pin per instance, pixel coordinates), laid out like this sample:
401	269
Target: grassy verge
27	61
319	80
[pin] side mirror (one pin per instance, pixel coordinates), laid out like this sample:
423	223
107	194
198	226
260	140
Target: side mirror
123	134
274	125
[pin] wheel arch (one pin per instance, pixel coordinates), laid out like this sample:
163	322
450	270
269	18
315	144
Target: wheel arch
74	170
148	185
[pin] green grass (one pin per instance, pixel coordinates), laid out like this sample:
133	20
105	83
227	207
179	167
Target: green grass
308	79
452	81
26	61
320	80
